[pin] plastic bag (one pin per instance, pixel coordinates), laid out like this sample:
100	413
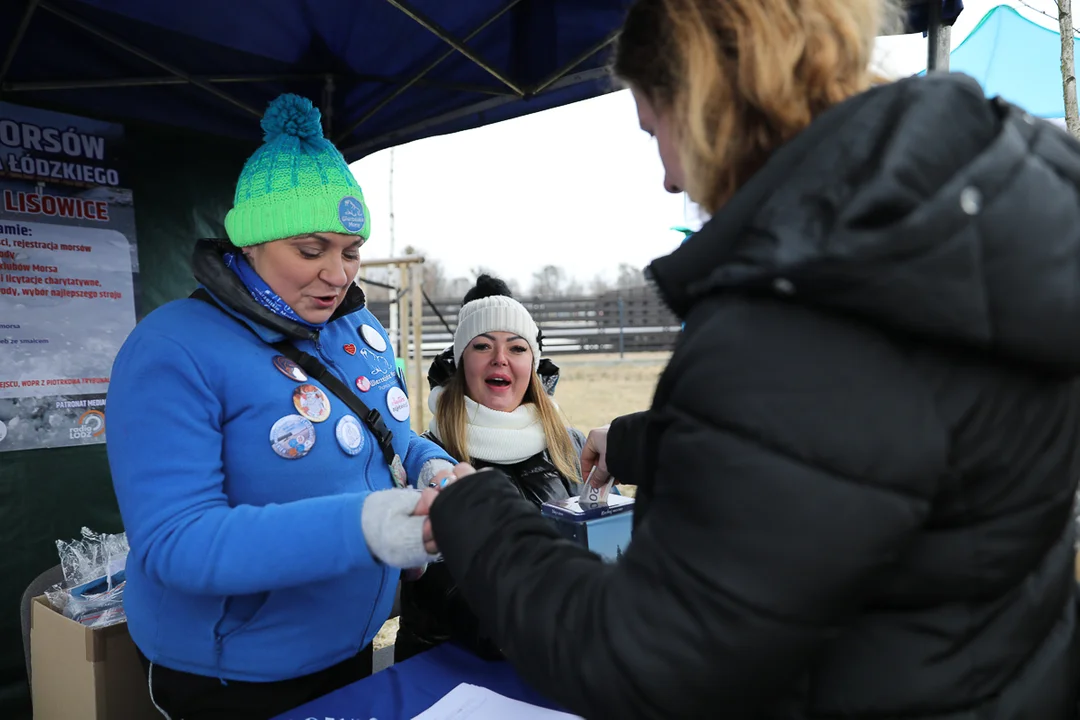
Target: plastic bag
95	556
93	589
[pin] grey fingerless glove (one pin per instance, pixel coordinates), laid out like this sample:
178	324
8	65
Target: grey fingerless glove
393	535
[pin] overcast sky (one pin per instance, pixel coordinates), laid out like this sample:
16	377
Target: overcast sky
577	186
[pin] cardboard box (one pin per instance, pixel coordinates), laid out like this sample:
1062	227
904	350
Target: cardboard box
605	530
81	673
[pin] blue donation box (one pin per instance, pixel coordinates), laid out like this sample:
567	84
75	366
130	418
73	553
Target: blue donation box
605	529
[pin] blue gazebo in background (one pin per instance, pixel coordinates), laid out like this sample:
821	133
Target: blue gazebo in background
1016	59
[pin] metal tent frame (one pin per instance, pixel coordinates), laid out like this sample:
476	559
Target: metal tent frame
505	91
938	14
938	41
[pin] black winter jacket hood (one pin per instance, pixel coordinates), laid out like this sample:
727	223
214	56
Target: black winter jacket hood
939	214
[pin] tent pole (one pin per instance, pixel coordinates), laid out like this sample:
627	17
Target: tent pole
558	74
77	22
418	77
328	104
143	82
938	39
234	79
433	27
17	40
416	288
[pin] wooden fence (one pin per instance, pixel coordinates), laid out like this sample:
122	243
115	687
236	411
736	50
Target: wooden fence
626	321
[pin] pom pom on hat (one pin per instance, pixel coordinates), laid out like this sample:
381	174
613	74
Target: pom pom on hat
486	286
490	307
292	116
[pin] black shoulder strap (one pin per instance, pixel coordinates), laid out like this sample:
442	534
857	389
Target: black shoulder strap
311	365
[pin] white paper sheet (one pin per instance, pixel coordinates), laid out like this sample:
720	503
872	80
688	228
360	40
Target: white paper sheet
472	702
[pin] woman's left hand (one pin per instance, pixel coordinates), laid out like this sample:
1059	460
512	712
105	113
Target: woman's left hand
459	471
427	497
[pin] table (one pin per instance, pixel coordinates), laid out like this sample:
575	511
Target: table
408	688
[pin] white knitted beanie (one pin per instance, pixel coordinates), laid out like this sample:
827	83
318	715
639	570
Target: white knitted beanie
494	313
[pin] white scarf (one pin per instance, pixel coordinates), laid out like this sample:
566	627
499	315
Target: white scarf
502	438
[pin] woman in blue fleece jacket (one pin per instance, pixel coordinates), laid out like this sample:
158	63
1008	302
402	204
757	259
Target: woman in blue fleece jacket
266	531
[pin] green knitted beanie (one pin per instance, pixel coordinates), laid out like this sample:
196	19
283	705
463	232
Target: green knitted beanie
296	182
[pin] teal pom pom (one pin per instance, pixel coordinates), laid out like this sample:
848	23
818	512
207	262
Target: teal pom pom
292	116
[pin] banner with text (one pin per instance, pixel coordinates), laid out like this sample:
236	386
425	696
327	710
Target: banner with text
68	275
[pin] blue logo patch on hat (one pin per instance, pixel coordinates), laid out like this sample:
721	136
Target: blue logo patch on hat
350	212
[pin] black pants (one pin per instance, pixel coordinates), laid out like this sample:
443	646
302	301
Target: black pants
434	611
184	696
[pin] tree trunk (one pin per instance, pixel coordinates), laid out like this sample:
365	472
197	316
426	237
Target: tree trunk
1068	67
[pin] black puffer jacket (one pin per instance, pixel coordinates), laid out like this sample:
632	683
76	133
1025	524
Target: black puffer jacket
856	478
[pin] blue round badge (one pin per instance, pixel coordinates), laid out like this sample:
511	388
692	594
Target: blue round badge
292	437
350	435
350	212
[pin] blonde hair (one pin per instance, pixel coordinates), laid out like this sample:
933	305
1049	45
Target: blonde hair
452	420
742	77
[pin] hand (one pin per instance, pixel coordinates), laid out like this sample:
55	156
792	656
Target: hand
459	471
594	455
463	470
427	497
423	507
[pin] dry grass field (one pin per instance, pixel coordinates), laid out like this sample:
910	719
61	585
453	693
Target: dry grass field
593	390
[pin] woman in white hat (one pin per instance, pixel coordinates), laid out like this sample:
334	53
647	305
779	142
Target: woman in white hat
492	407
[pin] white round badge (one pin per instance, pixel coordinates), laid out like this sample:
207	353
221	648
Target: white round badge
350	435
398	404
373	338
3	430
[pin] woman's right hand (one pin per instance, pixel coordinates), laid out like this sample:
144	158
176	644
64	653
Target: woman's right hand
427	497
594	455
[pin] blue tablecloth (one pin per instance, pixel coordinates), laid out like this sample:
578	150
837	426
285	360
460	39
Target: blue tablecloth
404	690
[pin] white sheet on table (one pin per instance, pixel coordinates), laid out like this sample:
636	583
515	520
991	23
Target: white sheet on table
472	702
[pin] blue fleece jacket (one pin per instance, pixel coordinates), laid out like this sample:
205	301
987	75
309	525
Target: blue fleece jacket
245	565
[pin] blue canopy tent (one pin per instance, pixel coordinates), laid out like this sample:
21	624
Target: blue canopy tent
189	79
384	71
1015	58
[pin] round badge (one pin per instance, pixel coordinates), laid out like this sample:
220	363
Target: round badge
289	369
3	430
351	214
350	435
292	437
398	404
373	338
363	384
311	402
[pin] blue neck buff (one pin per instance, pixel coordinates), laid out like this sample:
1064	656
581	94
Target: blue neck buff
261	291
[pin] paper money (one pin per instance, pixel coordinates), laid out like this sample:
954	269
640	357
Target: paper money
592	497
